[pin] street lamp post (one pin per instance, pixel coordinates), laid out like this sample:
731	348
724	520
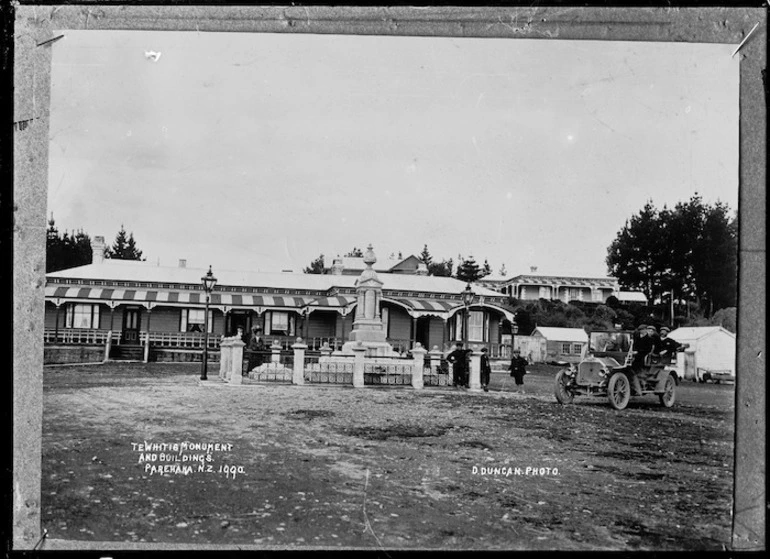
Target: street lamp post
209	281
468	296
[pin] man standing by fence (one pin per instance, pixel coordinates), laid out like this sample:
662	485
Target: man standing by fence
459	360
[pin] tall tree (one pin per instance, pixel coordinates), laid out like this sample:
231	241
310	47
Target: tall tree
65	251
426	257
316	266
690	250
468	270
124	247
634	257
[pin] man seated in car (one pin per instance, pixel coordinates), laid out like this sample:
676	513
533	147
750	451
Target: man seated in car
643	346
667	347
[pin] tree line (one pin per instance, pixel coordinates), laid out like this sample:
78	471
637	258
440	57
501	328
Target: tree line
467	270
65	250
688	253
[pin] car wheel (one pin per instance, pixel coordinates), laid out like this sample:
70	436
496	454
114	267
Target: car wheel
669	392
562	393
619	391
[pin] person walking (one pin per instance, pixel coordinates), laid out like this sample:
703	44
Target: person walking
518	369
486	369
459	360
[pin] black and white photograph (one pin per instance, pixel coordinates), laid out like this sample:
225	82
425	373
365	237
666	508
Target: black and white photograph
325	290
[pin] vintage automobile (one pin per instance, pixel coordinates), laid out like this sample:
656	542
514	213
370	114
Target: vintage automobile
606	371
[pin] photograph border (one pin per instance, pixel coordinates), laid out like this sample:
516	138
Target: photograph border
37	30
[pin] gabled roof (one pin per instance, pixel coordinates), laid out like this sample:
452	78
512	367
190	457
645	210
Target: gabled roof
136	271
555	334
356	263
697	332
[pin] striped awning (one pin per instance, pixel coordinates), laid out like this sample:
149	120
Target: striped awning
430	305
159	297
336	302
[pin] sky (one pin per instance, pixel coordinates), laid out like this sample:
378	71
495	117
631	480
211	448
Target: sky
261	151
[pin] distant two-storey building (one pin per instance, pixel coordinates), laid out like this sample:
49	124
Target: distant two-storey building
534	286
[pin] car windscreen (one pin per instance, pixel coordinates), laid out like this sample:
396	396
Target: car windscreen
610	341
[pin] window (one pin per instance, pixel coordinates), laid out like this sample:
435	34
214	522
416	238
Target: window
577	349
599	295
545	292
82	316
575	294
565	348
193	320
279	323
476	326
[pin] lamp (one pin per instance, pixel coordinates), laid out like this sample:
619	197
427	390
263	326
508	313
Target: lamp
209	281
467	296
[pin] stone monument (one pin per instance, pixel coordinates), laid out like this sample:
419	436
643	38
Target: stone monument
368	330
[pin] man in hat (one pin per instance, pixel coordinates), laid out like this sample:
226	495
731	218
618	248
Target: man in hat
668	346
518	370
486	369
643	345
459	360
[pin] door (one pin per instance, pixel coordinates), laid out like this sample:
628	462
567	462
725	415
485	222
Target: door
131	324
422	331
239	320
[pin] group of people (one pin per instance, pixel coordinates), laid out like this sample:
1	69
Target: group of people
460	360
646	342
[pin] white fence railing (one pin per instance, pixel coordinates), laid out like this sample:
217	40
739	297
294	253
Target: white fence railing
75	336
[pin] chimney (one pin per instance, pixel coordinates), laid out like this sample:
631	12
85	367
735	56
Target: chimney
533	269
97	250
337	266
182	263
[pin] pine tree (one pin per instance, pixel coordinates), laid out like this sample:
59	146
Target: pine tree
426	257
124	247
65	251
468	270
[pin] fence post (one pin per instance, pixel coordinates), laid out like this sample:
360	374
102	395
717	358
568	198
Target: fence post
276	352
326	351
299	362
475	378
236	367
358	365
418	355
224	357
147	347
435	359
107	346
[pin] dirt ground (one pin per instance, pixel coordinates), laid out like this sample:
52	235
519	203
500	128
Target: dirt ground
329	466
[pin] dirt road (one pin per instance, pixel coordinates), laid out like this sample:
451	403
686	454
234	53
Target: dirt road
321	466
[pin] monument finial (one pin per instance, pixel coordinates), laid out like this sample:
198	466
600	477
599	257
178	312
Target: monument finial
369	257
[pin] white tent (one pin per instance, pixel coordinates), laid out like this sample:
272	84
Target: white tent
712	349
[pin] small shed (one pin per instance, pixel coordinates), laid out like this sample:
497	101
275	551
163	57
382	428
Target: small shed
712	349
563	345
